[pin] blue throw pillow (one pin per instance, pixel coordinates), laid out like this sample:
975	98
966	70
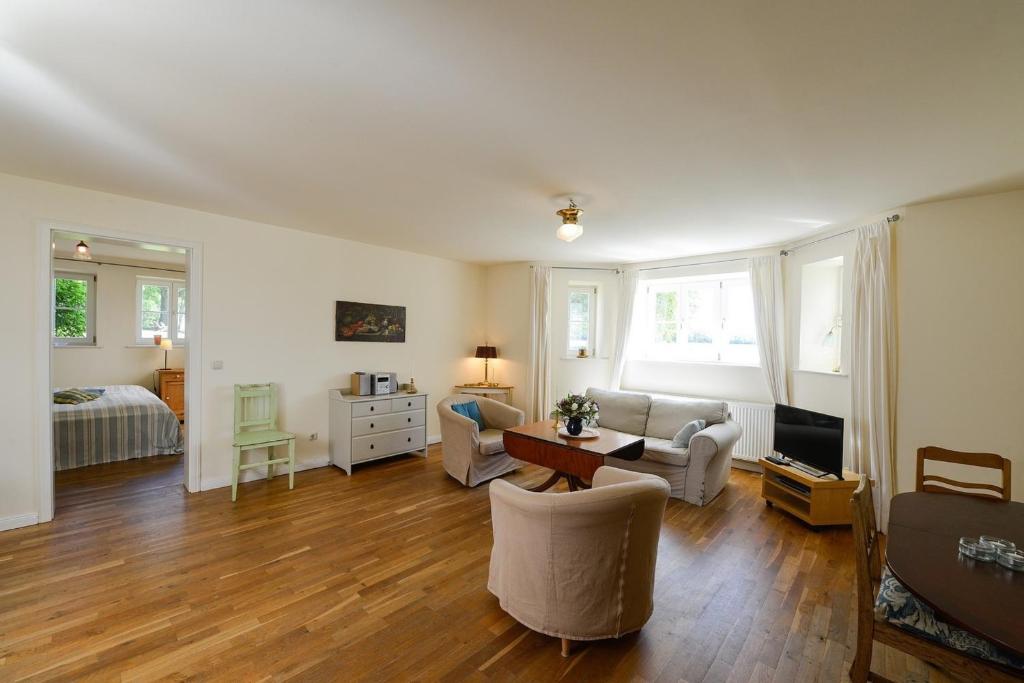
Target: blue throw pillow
472	411
683	436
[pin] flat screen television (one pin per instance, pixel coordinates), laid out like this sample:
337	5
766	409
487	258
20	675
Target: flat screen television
814	439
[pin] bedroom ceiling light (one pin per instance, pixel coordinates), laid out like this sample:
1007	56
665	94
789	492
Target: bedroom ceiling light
82	251
570	228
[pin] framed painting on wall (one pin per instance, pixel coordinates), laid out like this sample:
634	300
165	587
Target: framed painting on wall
359	322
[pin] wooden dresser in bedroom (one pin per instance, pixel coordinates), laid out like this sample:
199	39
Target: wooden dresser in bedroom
170	387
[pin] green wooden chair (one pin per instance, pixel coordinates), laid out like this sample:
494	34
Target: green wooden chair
256	427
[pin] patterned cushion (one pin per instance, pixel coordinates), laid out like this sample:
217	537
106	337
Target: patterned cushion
74	396
898	606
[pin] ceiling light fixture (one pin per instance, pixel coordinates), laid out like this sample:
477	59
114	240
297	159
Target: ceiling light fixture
82	251
570	228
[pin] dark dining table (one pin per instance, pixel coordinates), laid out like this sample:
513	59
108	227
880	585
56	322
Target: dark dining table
922	553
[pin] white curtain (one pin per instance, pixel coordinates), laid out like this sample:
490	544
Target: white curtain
873	368
539	404
628	281
769	318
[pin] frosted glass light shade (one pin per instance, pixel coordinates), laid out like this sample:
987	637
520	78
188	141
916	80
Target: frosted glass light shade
567	232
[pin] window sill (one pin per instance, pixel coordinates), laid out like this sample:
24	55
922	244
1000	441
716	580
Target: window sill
822	372
587	358
77	346
154	346
695	362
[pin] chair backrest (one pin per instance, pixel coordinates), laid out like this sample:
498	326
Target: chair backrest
933	483
255	407
867	553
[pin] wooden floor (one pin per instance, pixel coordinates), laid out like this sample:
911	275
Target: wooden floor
381	576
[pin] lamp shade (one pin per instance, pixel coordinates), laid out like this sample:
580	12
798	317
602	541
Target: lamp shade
486	352
166	344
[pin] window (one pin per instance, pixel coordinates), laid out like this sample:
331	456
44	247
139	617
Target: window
702	318
161	307
582	319
821	316
74	309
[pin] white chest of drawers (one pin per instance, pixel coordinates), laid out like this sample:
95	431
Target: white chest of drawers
365	428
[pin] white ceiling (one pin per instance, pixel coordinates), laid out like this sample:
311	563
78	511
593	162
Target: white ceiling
445	127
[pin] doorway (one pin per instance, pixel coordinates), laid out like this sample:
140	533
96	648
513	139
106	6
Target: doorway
123	331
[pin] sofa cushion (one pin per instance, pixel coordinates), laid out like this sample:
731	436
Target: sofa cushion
471	410
683	436
898	606
662	450
491	441
669	415
620	410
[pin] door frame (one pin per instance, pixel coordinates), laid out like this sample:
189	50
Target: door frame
44	354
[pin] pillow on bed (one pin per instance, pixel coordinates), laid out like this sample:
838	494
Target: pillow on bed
73	396
99	391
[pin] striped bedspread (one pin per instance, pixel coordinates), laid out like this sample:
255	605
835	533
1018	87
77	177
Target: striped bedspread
125	422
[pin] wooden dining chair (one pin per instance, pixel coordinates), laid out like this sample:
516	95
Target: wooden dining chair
871	627
256	427
933	483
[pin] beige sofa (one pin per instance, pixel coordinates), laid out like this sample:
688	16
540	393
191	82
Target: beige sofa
472	456
696	474
578	566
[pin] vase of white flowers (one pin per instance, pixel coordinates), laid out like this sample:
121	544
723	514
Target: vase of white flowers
574	410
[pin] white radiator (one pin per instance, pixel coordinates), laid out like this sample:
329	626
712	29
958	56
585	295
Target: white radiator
758	423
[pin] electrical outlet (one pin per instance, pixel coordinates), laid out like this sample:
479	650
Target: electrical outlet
314	436
217	365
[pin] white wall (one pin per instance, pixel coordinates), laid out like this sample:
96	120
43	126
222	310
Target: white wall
960	288
827	393
115	359
268	304
506	312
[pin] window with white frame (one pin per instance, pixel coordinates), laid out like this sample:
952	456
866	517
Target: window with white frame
161	308
582	327
701	318
821	316
74	309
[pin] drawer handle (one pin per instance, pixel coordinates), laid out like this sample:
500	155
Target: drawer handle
371	409
371	446
371	425
410	404
409	439
408	419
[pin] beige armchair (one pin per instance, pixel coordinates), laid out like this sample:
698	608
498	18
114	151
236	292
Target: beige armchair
472	456
578	566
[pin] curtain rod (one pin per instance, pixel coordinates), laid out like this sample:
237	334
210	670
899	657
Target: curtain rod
614	270
786	252
123	265
687	265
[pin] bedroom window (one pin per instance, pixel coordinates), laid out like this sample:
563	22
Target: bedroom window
74	309
161	307
699	319
582	328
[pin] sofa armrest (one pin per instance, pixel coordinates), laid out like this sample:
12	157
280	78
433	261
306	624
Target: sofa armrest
710	461
717	438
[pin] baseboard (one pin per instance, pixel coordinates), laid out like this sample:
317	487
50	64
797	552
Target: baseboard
209	483
747	465
17	521
431	440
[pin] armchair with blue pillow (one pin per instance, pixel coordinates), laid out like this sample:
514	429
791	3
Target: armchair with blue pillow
472	444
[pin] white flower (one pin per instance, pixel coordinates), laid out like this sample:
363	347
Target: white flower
575	406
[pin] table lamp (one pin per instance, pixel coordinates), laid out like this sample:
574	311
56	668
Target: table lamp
487	353
166	345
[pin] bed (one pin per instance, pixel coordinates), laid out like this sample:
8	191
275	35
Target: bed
126	422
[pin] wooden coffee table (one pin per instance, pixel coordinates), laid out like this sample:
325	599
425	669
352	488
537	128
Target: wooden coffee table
574	459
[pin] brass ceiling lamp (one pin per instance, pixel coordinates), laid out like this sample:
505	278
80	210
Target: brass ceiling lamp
570	228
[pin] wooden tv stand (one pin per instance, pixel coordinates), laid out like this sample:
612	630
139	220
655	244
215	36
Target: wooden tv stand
818	502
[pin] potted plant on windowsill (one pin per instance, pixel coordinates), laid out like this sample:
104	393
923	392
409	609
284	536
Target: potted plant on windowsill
574	410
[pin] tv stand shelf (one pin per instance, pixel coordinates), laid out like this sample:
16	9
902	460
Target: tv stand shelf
818	502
